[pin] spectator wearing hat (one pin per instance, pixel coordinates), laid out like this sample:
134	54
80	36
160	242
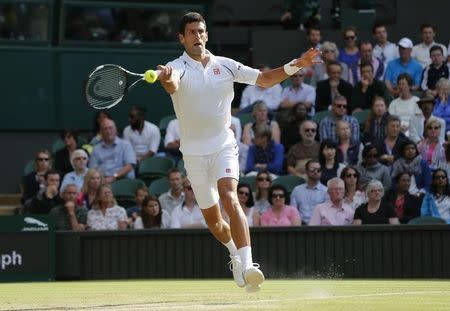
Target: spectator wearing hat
421	51
442	102
418	128
401	65
78	159
435	71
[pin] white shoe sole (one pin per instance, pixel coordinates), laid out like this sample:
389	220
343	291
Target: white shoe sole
254	278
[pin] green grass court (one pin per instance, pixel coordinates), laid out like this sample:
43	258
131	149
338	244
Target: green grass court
224	295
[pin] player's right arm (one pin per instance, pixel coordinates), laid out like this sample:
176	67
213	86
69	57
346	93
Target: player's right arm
169	79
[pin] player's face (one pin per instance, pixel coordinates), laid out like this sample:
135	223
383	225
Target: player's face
194	38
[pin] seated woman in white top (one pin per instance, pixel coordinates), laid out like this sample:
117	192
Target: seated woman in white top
106	214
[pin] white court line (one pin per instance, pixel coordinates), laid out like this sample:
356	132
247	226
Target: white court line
228	306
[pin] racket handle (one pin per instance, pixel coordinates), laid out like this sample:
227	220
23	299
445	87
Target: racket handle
151	75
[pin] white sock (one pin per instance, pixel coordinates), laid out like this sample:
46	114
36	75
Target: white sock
246	256
231	247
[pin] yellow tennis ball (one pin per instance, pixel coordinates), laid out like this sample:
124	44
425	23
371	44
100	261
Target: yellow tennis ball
150	76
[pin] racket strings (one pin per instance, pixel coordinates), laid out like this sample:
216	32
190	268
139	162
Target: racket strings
105	87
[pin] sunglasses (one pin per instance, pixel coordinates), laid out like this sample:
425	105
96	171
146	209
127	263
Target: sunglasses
349	37
376	190
341	106
310	130
440	177
278	195
244	193
351	175
80	158
263	179
43	159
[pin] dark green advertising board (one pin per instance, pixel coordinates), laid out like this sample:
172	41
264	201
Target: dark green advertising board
27	251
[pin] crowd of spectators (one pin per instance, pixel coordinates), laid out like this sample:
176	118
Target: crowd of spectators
387	168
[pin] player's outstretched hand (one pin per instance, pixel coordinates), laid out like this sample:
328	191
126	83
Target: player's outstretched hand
311	57
166	73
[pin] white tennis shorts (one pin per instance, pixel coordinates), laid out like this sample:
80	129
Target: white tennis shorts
204	172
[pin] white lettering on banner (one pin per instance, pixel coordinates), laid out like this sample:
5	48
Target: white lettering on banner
14	259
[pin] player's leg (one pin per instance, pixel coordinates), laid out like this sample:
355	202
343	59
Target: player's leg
240	232
226	165
207	198
221	231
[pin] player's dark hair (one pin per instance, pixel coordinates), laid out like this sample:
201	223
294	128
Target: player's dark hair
188	18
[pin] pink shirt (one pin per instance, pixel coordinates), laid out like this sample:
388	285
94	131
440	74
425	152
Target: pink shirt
287	217
326	214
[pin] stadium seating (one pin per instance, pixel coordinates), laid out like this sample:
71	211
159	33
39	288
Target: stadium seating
164	122
320	115
159	186
289	182
180	166
124	190
246	118
361	116
251	180
154	168
29	167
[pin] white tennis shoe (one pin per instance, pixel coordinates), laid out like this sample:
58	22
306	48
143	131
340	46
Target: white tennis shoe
236	266
253	278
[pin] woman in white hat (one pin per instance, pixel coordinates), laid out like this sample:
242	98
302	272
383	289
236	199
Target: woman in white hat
78	159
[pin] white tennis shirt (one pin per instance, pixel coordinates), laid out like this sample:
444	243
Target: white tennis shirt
202	102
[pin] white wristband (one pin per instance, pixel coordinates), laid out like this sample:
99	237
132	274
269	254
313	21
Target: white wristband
290	70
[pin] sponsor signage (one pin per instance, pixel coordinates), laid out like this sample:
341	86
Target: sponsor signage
27	248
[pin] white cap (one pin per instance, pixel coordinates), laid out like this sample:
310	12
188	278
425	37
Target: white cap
405	43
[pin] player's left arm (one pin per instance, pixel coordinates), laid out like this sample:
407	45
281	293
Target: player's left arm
277	75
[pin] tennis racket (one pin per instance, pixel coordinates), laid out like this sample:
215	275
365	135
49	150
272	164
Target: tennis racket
108	84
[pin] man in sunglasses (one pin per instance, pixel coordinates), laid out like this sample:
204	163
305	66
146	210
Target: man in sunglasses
306	149
306	196
338	112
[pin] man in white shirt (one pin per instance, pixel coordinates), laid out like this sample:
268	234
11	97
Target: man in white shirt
172	139
252	93
421	51
201	87
143	136
383	49
175	196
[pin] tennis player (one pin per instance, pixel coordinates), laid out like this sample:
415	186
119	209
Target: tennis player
201	87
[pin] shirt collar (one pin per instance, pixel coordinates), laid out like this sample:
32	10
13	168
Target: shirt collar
113	144
192	62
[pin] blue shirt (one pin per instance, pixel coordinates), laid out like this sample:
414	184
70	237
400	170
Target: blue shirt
442	110
73	178
396	67
273	156
328	128
305	199
109	159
